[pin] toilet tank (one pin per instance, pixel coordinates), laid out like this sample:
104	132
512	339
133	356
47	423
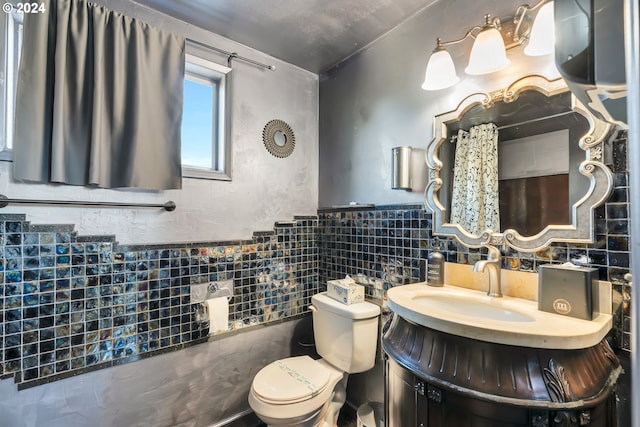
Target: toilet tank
346	336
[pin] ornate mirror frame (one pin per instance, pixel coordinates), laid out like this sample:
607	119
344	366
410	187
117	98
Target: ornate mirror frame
581	229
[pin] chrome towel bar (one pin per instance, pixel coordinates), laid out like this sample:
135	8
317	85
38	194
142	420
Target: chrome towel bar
5	201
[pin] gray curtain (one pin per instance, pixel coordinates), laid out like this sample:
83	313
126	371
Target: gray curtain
99	100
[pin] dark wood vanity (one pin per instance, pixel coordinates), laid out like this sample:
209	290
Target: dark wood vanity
471	375
436	379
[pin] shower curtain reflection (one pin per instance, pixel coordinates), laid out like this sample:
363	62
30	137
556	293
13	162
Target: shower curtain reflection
474	200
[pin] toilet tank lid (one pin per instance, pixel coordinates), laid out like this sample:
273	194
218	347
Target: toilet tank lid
360	310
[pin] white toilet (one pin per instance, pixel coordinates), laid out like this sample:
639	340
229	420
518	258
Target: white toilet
301	391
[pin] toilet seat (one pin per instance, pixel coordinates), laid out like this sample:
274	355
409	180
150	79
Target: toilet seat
291	380
273	402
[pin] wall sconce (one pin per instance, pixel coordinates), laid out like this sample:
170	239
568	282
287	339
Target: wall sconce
408	169
492	40
401	168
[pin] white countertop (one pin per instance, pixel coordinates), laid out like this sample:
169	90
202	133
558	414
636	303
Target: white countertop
506	320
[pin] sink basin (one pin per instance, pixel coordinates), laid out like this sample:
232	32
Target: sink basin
479	308
506	320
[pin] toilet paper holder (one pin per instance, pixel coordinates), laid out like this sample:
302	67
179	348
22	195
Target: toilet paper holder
216	291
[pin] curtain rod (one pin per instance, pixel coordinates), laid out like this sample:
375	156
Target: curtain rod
232	55
453	138
539	119
4	202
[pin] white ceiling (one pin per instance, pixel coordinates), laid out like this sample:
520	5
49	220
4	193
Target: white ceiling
312	34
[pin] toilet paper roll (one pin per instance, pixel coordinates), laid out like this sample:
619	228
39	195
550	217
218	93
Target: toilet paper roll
218	309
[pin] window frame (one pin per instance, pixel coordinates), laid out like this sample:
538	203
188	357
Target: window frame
200	67
195	55
10	28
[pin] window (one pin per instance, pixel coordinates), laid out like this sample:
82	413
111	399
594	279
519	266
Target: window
204	132
205	148
11	37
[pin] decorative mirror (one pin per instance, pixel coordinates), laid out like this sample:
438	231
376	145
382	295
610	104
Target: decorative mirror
278	138
520	166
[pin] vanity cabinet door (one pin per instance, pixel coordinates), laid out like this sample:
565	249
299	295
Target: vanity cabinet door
401	396
413	402
429	409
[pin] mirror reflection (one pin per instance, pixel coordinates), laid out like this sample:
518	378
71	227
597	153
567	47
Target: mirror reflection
279	138
521	166
513	166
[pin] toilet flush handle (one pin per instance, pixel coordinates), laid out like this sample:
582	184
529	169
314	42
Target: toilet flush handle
312	308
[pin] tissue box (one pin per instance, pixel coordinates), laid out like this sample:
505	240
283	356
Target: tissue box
345	290
569	291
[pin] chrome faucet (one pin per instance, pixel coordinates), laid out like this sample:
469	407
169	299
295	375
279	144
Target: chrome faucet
493	264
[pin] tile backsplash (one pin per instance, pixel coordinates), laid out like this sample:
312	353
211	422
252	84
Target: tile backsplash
379	247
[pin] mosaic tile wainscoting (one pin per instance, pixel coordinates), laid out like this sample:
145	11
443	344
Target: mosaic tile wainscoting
378	246
72	303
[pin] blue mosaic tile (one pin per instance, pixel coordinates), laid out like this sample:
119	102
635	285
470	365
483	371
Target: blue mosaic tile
30	300
71	305
62	249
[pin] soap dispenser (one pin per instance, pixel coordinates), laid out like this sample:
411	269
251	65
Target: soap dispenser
435	269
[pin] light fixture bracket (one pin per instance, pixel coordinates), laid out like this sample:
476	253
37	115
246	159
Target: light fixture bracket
514	32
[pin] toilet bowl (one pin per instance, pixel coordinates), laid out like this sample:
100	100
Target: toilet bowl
297	391
303	392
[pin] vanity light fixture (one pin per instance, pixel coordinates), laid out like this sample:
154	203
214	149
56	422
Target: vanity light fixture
441	73
542	36
488	53
492	40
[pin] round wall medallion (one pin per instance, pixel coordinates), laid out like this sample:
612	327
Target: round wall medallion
278	138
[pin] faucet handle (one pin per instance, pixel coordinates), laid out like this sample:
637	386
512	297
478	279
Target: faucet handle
494	253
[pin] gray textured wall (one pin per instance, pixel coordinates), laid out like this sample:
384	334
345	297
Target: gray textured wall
198	386
263	190
374	102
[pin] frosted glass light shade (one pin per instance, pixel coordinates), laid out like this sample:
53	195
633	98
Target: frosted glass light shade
542	39
441	73
488	53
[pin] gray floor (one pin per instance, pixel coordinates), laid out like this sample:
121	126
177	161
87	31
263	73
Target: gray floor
346	419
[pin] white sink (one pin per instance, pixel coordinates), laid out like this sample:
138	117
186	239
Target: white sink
505	320
482	308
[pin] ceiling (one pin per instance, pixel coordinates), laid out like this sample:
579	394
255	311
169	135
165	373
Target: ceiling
312	34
